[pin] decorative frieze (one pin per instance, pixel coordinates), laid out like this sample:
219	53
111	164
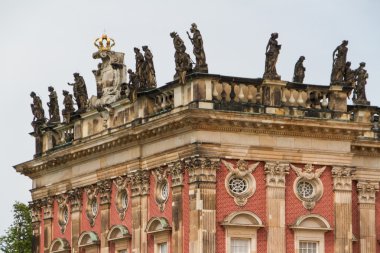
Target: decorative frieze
105	189
275	173
308	187
342	178
75	197
121	200
367	191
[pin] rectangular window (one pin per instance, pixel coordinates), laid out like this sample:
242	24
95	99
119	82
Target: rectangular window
308	247
163	248
240	245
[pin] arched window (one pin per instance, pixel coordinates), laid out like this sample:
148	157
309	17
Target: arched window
89	241
120	237
159	227
241	232
60	245
309	233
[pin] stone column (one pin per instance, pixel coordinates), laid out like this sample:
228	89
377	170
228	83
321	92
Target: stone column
343	208
366	195
105	189
275	198
202	194
176	170
76	200
48	206
35	207
140	190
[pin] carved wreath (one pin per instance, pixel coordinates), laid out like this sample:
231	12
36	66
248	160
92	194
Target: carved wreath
92	207
162	187
122	197
63	212
308	188
239	182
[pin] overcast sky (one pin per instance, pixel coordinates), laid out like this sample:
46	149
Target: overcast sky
43	42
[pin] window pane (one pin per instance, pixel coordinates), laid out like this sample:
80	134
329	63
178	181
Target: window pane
308	247
163	248
239	245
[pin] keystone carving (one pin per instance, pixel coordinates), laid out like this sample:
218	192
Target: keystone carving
342	178
275	173
367	192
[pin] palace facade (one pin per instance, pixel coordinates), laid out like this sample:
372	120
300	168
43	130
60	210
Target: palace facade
208	164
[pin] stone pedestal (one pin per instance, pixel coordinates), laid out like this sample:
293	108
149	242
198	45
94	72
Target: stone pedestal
272	92
202	194
367	198
337	98
275	199
343	208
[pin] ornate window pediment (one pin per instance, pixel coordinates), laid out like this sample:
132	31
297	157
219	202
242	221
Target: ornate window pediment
243	218
157	224
60	245
311	222
87	239
118	232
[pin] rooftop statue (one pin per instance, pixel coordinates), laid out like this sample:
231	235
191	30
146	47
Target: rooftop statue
80	92
148	70
361	81
68	111
139	57
110	76
54	116
299	70
133	85
183	64
198	50
272	52
104	43
37	109
339	62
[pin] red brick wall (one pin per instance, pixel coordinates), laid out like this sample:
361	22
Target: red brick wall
355	218
324	207
225	205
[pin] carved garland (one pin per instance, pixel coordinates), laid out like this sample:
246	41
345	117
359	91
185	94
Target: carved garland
239	183
308	188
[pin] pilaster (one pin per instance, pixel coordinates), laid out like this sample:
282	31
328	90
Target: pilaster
105	188
343	208
48	207
275	198
176	171
35	207
202	194
367	196
75	198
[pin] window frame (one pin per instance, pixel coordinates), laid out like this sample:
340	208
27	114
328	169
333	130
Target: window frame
242	238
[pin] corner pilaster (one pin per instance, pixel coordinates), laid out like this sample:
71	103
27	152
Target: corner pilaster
35	207
48	207
275	198
105	189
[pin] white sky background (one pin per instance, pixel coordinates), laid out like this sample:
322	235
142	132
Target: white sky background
44	42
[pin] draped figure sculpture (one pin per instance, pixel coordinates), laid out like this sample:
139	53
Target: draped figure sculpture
272	52
299	70
198	50
339	62
80	92
183	63
361	81
54	116
148	70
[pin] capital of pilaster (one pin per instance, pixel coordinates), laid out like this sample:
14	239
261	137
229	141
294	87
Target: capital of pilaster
139	182
176	171
35	210
47	204
275	173
367	191
202	169
105	189
75	198
342	178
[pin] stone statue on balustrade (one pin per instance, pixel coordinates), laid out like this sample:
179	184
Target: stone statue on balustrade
133	85
68	103
299	70
272	52
339	63
139	57
183	63
349	79
37	109
148	69
198	50
80	92
109	76
54	116
361	81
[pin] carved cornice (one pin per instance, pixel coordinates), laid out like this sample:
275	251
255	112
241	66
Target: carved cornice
139	182
367	191
342	178
75	198
202	169
105	189
176	171
275	173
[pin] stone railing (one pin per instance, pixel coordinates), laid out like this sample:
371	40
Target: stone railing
207	91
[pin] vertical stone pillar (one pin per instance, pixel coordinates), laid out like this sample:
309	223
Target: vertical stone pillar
105	189
275	197
343	208
76	200
140	190
35	207
176	170
202	194
48	205
366	195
